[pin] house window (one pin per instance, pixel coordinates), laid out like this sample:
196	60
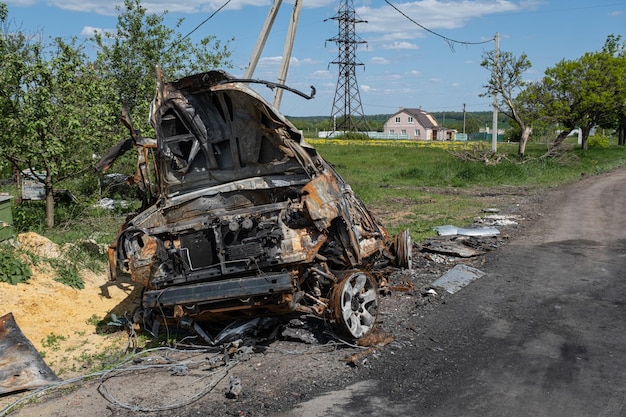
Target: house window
417	133
397	119
410	119
404	131
392	131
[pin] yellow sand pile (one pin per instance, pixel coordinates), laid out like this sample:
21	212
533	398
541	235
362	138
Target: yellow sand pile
46	309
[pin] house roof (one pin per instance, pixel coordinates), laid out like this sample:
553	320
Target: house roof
424	118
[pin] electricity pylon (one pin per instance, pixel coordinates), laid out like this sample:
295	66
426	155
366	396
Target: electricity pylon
347	114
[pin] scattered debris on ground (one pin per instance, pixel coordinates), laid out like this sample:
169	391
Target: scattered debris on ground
195	367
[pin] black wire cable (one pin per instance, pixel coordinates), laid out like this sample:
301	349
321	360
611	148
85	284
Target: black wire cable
206	20
450	42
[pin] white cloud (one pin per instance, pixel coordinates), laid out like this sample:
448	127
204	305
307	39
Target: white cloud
401	45
293	61
391	29
322	74
433	14
106	8
365	88
309	61
89	31
384	77
20	3
271	59
158	6
153	6
378	60
399	36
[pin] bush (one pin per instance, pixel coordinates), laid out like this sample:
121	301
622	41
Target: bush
68	275
598	141
353	136
29	216
12	269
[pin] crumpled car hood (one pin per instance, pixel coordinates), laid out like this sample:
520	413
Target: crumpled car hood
212	132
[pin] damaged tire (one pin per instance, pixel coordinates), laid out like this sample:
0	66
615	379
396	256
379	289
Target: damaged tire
404	250
355	304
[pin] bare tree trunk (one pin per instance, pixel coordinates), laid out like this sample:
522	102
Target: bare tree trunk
585	138
621	141
556	145
560	138
526	131
49	201
19	182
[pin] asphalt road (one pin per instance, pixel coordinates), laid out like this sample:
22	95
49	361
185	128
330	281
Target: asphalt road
543	333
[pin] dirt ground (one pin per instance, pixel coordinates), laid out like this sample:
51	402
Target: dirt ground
254	377
60	321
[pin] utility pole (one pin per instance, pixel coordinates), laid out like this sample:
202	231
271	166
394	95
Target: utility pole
291	35
463	118
260	44
494	134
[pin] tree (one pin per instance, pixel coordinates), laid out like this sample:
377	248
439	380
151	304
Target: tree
17	54
617	50
55	113
506	81
531	103
57	108
141	41
472	126
587	92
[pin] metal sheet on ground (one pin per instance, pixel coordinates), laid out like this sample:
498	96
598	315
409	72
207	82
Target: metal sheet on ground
21	365
458	277
449	230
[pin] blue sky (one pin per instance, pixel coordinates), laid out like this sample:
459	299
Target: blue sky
403	65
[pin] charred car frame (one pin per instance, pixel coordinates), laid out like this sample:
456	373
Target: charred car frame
243	217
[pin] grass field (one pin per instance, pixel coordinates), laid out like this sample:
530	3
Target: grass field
408	185
420	186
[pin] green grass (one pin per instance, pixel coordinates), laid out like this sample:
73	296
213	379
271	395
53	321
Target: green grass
415	186
407	184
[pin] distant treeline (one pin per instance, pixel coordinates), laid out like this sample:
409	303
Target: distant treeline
474	121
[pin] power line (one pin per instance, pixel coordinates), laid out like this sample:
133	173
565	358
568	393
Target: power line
382	106
206	20
450	41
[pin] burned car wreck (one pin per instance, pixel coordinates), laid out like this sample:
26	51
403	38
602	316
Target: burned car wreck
245	219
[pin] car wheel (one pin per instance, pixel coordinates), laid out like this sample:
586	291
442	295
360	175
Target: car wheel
355	304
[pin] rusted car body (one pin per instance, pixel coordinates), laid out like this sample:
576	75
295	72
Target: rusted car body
247	219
